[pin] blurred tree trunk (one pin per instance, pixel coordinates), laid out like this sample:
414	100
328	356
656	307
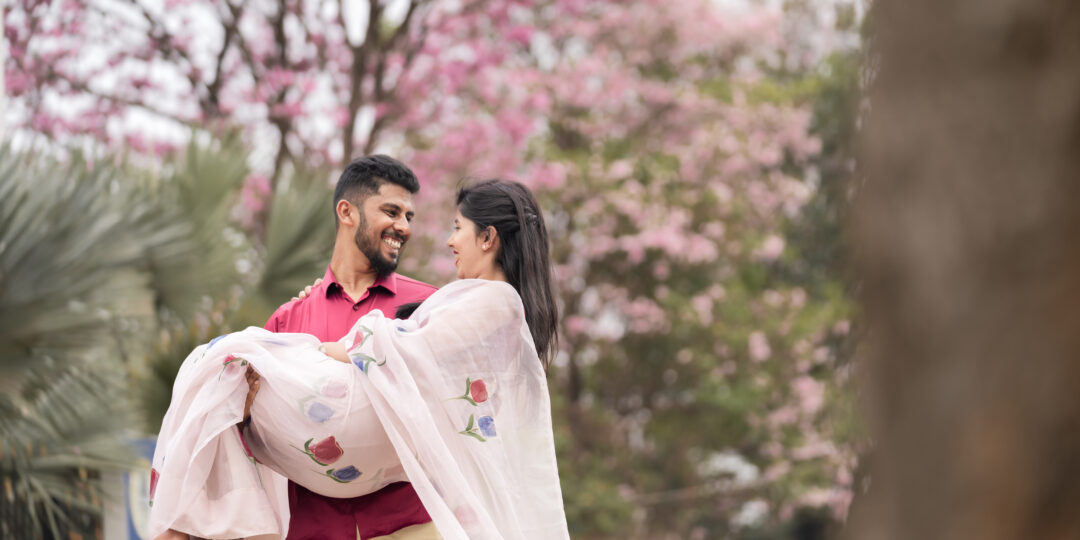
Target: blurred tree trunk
967	240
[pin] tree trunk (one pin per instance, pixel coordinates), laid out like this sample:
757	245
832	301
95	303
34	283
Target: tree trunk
967	242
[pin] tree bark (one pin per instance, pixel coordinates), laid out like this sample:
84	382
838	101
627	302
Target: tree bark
967	243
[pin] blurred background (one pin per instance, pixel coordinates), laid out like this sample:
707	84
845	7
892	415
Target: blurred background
167	173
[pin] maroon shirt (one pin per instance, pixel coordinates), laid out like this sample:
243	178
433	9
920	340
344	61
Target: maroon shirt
328	313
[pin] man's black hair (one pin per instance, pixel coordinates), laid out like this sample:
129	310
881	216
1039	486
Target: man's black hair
364	176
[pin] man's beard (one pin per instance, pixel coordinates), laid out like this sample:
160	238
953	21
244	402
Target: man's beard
372	249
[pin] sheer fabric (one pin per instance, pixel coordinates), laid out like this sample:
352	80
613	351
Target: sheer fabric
453	400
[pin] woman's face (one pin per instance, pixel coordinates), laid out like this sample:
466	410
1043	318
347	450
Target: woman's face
469	253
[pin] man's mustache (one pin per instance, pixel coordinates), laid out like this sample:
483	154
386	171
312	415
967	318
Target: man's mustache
395	235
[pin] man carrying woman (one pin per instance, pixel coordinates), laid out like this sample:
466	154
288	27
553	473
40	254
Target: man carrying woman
478	451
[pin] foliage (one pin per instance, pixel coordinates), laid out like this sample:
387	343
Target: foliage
71	243
109	275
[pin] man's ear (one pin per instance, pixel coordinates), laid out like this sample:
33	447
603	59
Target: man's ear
346	213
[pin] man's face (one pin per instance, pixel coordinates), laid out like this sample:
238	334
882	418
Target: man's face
384	227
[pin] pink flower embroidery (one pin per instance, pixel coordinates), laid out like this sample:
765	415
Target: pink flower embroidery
335	389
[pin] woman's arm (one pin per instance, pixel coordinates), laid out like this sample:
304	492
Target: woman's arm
335	350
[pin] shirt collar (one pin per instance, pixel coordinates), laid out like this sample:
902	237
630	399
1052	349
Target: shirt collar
330	283
388	282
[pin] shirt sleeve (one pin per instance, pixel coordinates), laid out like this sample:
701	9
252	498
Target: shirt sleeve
274	323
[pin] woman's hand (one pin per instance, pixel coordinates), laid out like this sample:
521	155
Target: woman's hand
335	350
307	290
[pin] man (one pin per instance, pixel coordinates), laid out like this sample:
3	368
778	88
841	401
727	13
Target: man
372	209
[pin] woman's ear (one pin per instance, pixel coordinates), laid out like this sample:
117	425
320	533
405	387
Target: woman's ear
490	238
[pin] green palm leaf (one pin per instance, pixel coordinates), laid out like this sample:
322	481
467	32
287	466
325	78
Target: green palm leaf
199	194
299	238
71	242
56	438
74	241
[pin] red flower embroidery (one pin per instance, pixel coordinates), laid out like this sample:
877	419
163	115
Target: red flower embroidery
323	452
327	450
475	391
479	391
362	332
153	483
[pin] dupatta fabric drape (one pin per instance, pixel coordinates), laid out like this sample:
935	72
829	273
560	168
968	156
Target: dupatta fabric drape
454	400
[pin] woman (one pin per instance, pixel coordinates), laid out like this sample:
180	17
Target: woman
454	400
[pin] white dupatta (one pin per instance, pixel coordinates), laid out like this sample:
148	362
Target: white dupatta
456	393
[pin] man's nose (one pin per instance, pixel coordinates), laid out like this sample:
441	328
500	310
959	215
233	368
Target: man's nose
401	225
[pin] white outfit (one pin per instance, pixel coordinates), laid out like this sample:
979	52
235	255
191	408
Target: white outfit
453	400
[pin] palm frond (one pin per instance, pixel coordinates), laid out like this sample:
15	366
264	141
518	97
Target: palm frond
55	439
70	238
200	193
299	238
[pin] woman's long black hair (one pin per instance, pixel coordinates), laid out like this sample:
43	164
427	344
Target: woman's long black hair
523	254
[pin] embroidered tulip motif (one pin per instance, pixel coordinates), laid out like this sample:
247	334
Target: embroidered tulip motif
361	334
153	484
319	412
324	452
364	361
479	429
475	391
335	389
233	358
215	340
345	475
478	390
487	426
229	361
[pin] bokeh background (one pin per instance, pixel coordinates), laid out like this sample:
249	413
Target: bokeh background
166	177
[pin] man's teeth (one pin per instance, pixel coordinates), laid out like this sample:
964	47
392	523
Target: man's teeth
392	242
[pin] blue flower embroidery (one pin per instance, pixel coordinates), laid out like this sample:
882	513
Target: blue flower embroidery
344	475
319	412
215	340
363	361
487	426
478	429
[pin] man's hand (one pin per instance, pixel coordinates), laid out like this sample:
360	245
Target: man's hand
307	290
253	380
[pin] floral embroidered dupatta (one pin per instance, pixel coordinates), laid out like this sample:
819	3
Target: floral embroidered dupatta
464	399
454	400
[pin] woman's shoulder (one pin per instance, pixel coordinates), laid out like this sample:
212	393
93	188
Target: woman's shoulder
478	293
485	287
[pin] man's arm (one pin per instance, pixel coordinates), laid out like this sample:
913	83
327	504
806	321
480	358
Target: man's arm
273	324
